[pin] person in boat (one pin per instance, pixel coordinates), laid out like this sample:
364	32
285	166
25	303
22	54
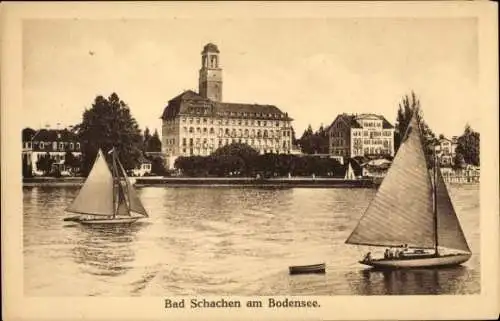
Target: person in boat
368	256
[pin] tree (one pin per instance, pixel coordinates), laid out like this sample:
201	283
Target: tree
154	143
458	161
407	108
158	166
305	141
405	111
27	168
468	146
45	163
146	139
109	124
71	161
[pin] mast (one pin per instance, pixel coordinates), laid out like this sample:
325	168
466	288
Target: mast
115	209
435	203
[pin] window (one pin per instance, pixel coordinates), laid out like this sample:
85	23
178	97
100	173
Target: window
184	142
42	145
61	146
191	130
212	131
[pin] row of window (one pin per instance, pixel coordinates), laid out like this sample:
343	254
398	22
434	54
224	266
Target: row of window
208	151
237	133
61	145
221	142
234	122
367	133
371	151
56	157
372	124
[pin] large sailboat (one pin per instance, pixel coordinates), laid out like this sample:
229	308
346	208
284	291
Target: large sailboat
107	197
412	215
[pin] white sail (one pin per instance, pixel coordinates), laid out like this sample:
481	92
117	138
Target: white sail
96	195
402	210
122	209
349	172
450	234
135	204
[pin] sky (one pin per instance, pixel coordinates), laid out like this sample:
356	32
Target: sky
311	68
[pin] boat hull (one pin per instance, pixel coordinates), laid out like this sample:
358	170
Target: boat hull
418	262
107	222
307	269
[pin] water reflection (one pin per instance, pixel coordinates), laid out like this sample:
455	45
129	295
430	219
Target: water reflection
105	250
415	281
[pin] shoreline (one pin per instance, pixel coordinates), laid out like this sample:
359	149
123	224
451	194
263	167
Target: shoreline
307	182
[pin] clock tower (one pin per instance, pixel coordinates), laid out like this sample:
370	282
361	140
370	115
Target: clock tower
210	81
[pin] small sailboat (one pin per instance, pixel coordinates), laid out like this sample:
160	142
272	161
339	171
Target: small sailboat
349	174
412	214
107	197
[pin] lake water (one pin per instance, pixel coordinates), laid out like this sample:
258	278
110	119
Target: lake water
225	241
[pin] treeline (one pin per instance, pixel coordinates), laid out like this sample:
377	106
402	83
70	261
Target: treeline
467	150
242	160
314	142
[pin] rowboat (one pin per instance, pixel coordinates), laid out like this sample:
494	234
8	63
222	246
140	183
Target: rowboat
306	269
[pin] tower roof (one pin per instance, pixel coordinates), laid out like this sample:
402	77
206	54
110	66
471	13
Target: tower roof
210	47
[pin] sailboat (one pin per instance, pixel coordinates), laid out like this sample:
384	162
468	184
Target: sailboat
107	197
412	214
349	174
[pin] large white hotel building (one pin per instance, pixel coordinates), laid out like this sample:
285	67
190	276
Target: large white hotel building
199	123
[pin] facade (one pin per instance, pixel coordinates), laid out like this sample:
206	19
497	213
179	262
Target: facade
360	135
143	168
199	123
55	142
446	151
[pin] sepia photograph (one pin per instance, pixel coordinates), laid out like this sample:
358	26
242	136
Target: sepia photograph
237	160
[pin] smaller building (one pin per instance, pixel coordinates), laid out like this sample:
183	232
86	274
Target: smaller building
144	167
446	151
53	142
352	136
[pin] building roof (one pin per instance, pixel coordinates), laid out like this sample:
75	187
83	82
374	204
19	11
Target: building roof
54	135
352	120
190	103
210	47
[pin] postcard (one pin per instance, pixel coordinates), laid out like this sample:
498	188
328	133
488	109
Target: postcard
253	160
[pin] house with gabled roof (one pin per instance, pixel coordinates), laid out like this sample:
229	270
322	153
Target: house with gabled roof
360	135
53	142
